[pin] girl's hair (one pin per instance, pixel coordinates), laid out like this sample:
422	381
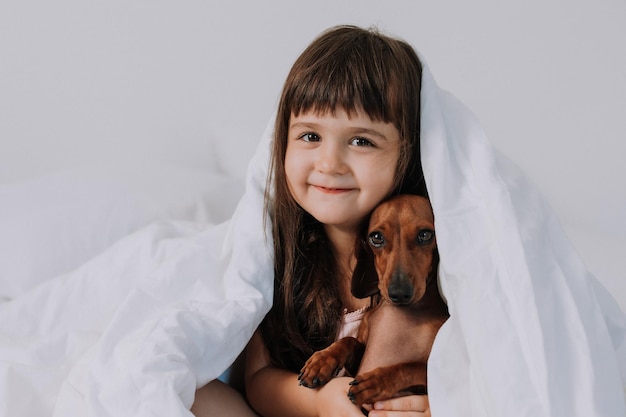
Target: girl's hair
353	69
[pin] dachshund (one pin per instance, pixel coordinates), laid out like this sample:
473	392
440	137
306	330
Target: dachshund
397	265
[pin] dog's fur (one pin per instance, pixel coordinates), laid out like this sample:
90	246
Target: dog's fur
399	262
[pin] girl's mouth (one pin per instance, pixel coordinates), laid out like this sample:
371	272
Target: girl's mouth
327	190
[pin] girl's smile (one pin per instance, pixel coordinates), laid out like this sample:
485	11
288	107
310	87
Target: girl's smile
332	190
339	166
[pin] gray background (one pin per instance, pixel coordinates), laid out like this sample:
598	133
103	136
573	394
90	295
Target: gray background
195	82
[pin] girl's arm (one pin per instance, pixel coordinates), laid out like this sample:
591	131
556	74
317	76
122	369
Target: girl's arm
276	392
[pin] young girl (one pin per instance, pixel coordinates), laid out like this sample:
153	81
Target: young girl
346	137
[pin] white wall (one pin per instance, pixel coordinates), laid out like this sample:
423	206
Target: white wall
186	81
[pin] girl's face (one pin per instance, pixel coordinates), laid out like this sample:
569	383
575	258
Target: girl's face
338	168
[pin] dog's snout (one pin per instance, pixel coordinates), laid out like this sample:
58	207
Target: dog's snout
400	290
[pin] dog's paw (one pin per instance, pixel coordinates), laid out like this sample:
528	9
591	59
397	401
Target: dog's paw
326	364
387	382
319	369
369	388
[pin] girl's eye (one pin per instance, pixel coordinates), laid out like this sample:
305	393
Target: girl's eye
360	141
376	239
424	236
310	137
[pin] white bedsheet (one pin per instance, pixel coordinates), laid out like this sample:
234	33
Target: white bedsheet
136	329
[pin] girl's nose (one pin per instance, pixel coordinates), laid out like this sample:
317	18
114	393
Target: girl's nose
331	160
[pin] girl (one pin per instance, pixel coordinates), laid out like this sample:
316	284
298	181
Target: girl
346	137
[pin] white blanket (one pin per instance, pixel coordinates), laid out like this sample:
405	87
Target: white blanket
531	332
134	331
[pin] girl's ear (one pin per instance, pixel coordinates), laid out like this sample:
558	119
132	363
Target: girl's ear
364	276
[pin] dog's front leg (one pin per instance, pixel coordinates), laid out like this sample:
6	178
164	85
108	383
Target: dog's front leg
386	382
325	364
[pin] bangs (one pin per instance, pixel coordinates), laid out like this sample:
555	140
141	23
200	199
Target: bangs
354	74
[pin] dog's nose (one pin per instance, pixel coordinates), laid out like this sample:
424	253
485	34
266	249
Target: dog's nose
400	291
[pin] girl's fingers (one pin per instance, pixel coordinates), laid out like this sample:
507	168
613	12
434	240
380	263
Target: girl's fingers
411	405
384	413
405	403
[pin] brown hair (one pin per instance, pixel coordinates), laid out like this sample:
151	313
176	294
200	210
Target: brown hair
356	70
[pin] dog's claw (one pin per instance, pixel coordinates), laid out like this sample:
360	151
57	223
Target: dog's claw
314	384
304	384
354	382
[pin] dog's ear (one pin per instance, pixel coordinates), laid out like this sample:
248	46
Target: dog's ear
434	266
435	263
364	277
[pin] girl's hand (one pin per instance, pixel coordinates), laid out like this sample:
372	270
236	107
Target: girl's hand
408	406
332	399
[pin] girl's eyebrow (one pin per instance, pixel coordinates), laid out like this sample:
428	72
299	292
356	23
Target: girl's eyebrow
303	125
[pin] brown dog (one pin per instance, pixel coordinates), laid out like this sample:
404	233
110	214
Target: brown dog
400	263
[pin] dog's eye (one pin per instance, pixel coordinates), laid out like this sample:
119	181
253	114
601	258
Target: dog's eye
377	239
424	236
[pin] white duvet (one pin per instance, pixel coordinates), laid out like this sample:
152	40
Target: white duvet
157	313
